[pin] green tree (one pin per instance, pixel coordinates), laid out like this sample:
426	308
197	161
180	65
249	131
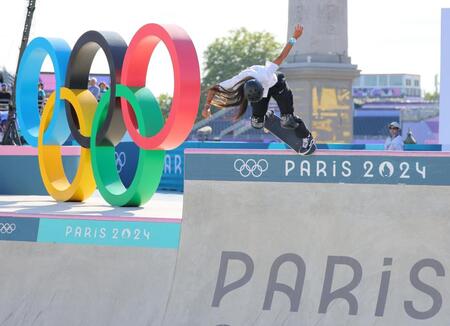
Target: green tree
432	96
165	101
228	55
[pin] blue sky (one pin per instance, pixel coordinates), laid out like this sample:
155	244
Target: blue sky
385	36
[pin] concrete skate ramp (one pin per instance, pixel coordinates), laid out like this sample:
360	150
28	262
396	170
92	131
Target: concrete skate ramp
267	238
340	238
86	263
55	284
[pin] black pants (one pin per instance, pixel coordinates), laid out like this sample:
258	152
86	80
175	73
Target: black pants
282	94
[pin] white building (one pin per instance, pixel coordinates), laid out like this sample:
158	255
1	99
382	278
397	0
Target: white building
387	86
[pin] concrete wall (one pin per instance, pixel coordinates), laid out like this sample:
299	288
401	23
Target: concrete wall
271	252
58	284
267	238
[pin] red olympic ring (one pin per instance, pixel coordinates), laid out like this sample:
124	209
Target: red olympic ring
186	83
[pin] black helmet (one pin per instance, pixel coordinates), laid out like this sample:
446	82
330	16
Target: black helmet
253	90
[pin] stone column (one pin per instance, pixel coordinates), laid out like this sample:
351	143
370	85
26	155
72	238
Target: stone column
319	70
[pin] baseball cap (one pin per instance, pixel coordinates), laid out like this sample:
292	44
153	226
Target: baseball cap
394	124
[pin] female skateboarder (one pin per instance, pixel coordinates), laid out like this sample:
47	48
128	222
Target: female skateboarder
257	84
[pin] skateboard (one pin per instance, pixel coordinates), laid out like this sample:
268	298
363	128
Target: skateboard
288	136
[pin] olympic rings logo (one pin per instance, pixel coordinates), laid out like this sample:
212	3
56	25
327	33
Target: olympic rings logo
251	167
7	228
121	160
99	127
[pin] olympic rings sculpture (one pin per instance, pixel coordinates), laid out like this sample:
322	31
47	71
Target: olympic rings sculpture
251	167
98	127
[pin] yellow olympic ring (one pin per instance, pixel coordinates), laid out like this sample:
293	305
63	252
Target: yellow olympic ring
50	158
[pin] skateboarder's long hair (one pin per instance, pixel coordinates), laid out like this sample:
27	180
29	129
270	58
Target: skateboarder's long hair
225	98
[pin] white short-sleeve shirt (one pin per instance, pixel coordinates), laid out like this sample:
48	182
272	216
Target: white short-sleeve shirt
264	74
395	144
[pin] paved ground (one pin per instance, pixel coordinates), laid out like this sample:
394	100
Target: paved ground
162	205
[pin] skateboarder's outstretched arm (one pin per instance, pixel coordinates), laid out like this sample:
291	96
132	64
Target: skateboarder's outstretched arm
298	31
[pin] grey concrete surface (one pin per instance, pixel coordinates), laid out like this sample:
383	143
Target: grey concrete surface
367	223
56	284
289	247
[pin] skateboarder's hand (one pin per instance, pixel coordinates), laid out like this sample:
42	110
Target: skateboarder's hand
298	31
206	112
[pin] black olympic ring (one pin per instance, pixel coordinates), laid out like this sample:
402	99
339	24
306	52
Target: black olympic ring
77	77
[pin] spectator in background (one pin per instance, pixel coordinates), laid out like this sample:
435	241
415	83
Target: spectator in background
103	89
5	98
2	128
93	88
394	142
4	94
41	97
